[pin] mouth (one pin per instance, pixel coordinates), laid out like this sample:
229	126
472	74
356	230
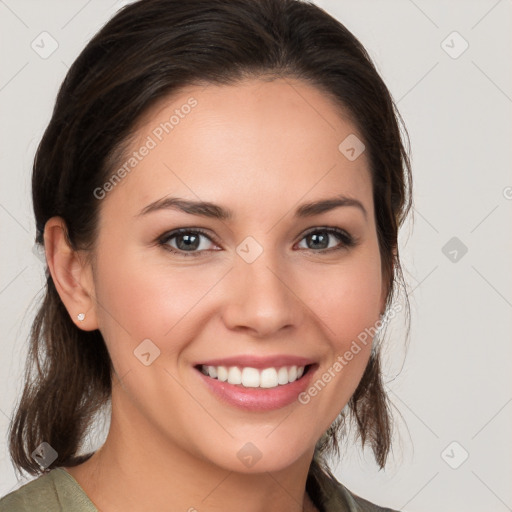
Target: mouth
256	383
249	377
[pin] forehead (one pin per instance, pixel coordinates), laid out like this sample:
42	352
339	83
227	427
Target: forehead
272	141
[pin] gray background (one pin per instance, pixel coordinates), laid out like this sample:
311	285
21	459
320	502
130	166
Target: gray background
452	384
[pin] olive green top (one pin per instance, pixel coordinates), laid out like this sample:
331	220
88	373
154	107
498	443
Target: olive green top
57	491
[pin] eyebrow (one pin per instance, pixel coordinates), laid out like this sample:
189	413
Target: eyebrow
212	210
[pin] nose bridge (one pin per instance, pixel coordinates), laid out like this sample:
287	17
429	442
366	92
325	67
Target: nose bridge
260	298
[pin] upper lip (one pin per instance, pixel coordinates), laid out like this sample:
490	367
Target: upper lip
260	362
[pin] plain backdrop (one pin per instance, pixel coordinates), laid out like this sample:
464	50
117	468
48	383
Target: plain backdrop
448	67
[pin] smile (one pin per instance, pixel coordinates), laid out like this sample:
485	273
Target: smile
257	384
249	377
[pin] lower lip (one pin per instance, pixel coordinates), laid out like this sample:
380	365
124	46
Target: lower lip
258	399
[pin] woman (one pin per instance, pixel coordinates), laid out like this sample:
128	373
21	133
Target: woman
219	193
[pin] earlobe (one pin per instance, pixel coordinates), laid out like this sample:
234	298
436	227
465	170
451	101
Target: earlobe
71	275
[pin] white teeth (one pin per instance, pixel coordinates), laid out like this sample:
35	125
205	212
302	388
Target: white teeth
234	375
250	378
222	373
269	378
254	378
282	376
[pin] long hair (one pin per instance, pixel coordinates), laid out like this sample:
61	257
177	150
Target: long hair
148	51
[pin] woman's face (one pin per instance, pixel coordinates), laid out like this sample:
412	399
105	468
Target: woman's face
271	286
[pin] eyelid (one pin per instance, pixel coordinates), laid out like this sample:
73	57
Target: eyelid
346	239
329	229
163	239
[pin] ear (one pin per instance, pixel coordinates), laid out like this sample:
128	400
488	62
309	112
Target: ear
71	274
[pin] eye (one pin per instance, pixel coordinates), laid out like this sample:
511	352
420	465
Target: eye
188	241
319	239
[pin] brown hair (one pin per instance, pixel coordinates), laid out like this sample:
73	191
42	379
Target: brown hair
149	50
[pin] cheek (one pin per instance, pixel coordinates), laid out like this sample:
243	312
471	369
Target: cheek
346	298
144	298
140	299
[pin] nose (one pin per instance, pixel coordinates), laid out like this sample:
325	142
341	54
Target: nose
261	297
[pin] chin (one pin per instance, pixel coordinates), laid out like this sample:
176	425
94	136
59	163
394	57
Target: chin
260	454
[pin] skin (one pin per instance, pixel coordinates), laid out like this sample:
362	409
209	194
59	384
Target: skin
260	148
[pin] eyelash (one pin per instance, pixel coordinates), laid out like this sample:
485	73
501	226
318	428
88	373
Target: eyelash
347	240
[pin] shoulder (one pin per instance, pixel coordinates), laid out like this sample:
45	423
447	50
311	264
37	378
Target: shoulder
42	491
54	491
333	496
